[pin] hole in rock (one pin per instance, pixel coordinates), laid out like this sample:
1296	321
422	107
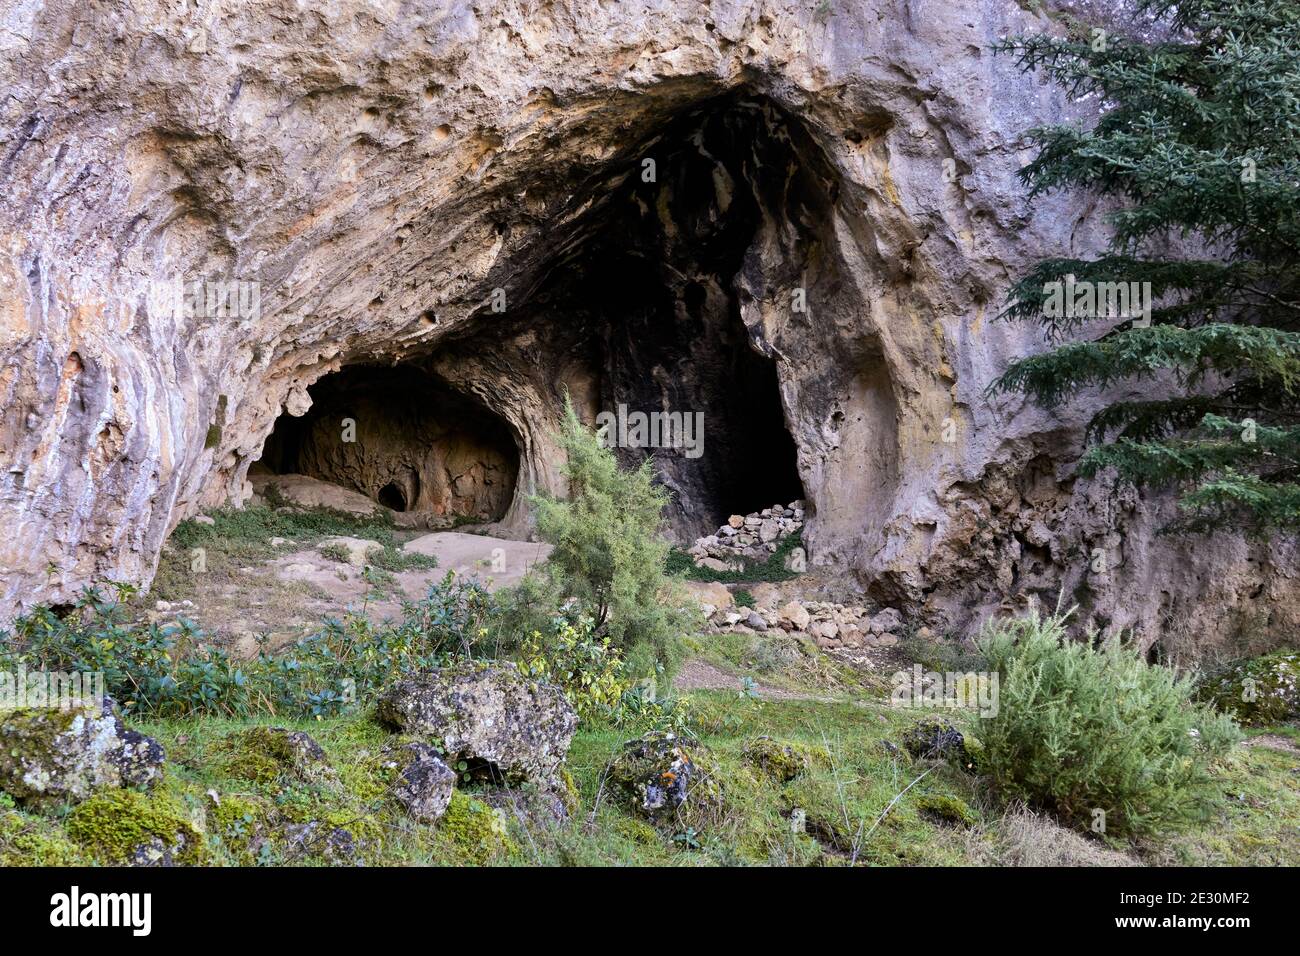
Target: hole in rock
403	437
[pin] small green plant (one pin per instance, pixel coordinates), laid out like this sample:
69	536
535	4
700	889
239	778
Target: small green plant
587	668
1108	742
335	552
743	598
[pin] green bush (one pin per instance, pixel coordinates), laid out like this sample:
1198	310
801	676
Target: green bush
608	554
168	670
1080	729
586	667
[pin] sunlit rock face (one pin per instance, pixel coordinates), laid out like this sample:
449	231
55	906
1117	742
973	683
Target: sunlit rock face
812	259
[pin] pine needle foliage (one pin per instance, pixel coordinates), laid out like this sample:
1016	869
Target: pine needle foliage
608	552
1198	147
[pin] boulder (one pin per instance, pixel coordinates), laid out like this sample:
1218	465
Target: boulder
424	784
886	621
51	755
1265	690
766	596
780	761
666	780
714	595
505	726
129	828
795	615
273	755
935	739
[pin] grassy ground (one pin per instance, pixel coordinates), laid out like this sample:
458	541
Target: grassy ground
860	801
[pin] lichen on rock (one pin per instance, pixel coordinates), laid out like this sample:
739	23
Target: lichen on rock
53	755
423	783
668	780
488	717
1264	690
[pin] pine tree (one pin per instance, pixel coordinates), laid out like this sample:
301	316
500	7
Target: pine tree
608	552
1198	146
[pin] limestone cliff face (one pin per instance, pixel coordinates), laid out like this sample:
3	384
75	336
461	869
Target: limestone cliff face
831	223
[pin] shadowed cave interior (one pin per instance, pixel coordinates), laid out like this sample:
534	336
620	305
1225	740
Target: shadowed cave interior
637	304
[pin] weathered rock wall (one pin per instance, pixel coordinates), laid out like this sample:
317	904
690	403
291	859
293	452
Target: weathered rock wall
377	170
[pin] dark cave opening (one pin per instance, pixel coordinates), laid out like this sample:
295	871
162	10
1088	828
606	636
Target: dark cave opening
402	437
642	302
650	302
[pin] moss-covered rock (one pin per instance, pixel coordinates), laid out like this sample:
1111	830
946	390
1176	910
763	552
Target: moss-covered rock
242	825
501	724
271	756
668	781
933	739
783	761
1265	690
477	832
50	756
946	808
131	828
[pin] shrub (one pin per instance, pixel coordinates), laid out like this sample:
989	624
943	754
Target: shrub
595	678
1080	729
168	671
587	668
608	553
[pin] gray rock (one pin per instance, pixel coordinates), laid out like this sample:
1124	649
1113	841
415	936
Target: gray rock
424	784
52	756
507	727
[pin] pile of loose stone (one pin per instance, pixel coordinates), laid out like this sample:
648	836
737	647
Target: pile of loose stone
752	536
830	625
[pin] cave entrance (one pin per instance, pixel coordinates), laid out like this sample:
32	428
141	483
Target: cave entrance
402	437
639	306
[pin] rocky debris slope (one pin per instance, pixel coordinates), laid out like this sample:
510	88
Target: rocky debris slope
753	536
830	624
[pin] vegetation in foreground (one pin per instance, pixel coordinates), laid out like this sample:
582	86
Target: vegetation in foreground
833	772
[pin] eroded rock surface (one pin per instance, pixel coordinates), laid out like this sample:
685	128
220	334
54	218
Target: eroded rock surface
462	188
499	724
